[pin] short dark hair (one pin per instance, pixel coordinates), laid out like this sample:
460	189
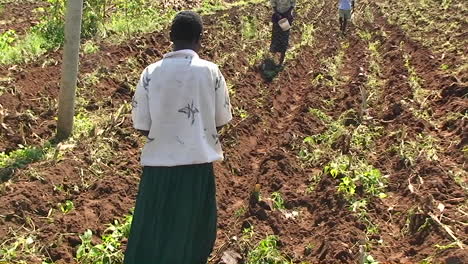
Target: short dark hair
186	26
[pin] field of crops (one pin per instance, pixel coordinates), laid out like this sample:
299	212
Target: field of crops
359	146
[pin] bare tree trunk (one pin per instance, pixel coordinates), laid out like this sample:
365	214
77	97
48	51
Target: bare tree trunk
66	110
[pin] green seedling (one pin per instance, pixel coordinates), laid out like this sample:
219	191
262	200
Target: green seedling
445	247
357	173
314	181
428	260
444	67
248	233
66	207
240	212
242	113
109	251
267	252
370	260
278	201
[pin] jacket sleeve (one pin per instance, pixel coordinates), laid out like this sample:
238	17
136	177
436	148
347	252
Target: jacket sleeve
223	109
140	104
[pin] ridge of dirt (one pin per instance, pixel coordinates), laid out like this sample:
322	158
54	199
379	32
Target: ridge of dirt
266	157
435	185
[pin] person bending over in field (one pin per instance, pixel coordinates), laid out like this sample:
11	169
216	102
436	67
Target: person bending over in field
180	104
345	7
279	38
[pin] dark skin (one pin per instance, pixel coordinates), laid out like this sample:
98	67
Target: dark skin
194	45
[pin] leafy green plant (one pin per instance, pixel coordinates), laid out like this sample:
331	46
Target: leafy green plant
444	67
321	145
356	173
7	38
90	47
314	180
21	157
339	166
267	252
21	49
248	233
278	201
320	115
211	6
66	207
109	251
308	34
83	125
370	260
241	112
365	35
364	136
428	260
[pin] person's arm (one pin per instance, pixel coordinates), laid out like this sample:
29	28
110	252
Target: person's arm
140	106
223	114
289	12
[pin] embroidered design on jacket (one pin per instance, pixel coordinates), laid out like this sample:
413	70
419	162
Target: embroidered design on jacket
218	84
146	81
190	110
216	139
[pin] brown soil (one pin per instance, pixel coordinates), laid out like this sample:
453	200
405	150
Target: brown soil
260	149
19	16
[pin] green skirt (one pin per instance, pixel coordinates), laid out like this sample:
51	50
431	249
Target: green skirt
175	216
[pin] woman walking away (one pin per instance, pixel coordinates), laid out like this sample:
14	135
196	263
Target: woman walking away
179	105
345	7
280	39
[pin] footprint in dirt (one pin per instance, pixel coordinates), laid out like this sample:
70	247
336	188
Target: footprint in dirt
269	69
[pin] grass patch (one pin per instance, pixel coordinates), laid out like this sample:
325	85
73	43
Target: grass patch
23	156
15	50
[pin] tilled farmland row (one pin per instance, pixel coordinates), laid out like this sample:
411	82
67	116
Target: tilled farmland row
375	99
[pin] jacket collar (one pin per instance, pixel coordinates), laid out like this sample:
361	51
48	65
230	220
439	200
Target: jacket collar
181	53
